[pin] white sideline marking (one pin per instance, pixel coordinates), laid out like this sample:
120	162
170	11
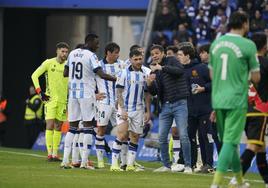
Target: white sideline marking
194	174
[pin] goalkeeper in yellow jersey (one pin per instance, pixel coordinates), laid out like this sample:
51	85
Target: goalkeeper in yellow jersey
55	97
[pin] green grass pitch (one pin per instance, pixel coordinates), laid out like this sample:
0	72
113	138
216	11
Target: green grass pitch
20	168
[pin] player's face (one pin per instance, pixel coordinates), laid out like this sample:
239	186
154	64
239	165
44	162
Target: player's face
157	55
136	62
184	59
113	55
62	53
95	44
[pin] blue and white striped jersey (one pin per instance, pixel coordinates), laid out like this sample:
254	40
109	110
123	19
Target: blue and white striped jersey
134	83
106	86
82	63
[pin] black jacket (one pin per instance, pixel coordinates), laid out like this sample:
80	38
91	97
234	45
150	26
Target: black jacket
200	103
170	84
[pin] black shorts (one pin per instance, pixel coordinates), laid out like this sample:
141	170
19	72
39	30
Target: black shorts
256	127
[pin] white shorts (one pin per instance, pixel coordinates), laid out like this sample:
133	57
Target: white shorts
173	124
81	109
135	121
106	113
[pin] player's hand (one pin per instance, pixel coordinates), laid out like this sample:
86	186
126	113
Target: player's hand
150	79
147	117
212	117
100	96
44	97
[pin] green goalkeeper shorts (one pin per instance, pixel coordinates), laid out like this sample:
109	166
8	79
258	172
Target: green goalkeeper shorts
230	124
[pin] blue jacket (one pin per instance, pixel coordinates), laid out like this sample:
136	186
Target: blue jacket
198	73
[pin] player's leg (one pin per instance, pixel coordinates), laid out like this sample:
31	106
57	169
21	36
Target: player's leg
50	114
135	130
73	117
88	113
121	135
75	149
234	124
104	113
61	116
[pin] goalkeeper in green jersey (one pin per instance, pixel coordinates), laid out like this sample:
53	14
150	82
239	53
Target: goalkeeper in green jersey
232	58
55	97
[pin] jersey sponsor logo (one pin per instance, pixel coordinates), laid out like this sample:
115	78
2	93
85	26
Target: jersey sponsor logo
194	73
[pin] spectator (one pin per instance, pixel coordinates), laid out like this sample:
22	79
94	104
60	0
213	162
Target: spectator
206	6
225	6
189	9
161	39
201	16
184	19
165	21
257	23
33	116
265	14
182	34
201	32
216	20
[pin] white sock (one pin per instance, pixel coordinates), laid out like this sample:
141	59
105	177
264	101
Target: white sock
176	149
116	152
75	149
80	142
99	143
131	155
123	153
87	143
68	144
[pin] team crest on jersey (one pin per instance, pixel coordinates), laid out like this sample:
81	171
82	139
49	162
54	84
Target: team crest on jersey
194	73
52	69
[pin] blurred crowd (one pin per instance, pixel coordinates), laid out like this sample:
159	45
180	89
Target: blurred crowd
201	21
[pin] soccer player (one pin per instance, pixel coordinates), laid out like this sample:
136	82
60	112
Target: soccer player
55	97
106	107
232	57
257	115
131	92
81	67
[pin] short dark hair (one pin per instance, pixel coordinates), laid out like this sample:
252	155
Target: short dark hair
187	48
80	45
111	47
62	45
156	46
237	19
134	47
204	48
174	49
260	39
135	53
90	37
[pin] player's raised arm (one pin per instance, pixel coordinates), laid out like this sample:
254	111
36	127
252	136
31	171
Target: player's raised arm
35	78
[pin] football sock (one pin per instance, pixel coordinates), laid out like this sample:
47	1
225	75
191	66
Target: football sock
75	148
99	147
56	142
132	150
262	166
68	144
116	151
49	141
246	159
123	153
87	143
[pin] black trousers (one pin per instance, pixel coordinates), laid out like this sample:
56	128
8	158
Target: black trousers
33	128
